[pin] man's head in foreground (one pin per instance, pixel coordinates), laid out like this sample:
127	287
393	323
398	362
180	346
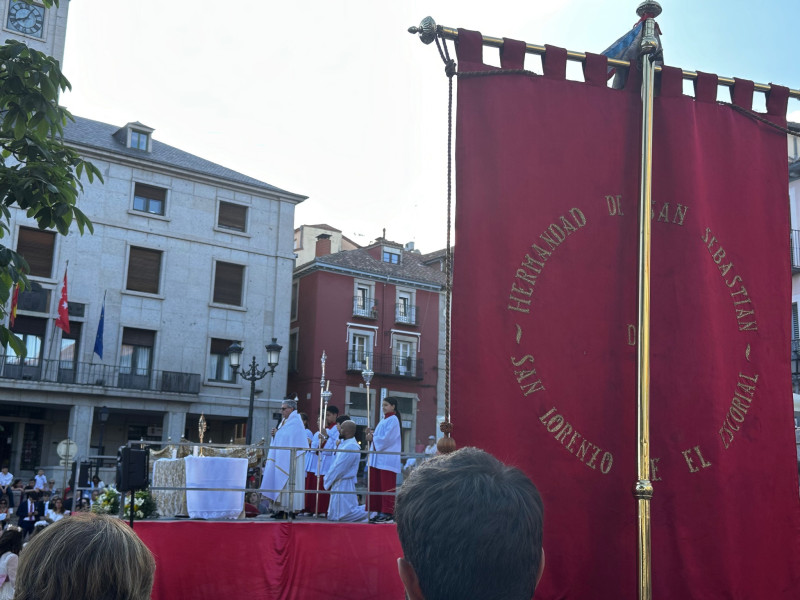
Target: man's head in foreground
470	527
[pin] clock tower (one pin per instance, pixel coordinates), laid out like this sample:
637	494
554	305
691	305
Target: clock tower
41	28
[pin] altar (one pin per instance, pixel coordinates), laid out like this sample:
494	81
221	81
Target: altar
200	472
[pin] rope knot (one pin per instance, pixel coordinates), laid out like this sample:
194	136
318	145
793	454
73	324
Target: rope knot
450	68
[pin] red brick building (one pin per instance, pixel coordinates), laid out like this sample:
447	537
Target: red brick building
384	304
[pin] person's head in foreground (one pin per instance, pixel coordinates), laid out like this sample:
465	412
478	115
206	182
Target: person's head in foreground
470	527
87	556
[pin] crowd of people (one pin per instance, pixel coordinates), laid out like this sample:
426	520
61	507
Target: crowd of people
32	507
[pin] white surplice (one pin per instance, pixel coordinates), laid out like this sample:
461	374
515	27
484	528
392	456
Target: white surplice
290	434
341	477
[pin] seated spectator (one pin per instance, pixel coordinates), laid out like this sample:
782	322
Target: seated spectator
84	505
5	512
40	481
88	556
10	546
16	492
5	484
251	505
469	527
30	511
56	510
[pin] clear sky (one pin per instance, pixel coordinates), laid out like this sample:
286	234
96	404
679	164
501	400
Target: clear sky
336	101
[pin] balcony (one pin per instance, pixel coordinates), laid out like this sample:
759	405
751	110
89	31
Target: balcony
794	247
387	365
406	314
90	374
366	308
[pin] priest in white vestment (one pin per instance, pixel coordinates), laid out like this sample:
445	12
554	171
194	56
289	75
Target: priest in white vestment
341	477
289	434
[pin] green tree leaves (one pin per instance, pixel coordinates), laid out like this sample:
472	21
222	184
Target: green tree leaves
38	173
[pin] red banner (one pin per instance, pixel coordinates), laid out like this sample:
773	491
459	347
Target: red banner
545	313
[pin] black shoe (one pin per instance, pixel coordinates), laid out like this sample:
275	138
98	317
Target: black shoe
292	516
385	518
279	515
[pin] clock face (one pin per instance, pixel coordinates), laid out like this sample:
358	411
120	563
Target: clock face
26	18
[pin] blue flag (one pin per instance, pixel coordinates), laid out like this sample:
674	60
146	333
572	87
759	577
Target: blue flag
98	340
627	48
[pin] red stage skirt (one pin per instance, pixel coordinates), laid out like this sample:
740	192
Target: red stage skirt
203	560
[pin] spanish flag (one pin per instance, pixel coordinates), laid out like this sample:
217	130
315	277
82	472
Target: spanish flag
13	311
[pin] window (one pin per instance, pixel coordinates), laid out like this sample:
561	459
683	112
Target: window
136	357
404	356
139	140
68	356
144	270
36	247
795	322
228	283
406	311
359	350
219	368
293	351
232	216
364	301
295	289
34	300
31	330
391	257
149	199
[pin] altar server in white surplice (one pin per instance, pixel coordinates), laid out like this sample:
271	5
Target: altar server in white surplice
341	477
289	434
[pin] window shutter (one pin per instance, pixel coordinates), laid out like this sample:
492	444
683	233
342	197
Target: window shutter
228	284
138	337
30	325
232	216
36	247
144	270
220	346
150	191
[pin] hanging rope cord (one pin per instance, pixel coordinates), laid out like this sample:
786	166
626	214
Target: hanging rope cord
446	444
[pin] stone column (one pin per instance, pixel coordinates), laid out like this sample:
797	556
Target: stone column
81	418
174	426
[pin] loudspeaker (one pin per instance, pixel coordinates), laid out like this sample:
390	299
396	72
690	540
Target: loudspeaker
80	473
133	466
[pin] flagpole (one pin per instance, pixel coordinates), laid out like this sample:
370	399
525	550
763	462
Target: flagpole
53	336
643	490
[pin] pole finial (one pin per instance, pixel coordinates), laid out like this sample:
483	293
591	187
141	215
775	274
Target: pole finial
649	10
426	30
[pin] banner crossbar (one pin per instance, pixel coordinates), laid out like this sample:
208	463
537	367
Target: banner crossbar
450	33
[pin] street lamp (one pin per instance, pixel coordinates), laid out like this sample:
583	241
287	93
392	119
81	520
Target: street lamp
101	450
253	374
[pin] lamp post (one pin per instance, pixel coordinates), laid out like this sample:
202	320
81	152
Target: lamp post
101	450
253	374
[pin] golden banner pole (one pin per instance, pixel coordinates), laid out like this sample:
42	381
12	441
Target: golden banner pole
367	375
643	491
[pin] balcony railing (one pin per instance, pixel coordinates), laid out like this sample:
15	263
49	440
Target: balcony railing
406	314
387	364
67	372
794	247
366	308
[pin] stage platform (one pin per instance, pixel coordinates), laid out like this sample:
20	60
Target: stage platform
264	560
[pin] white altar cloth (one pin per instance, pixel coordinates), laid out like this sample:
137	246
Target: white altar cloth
215	472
